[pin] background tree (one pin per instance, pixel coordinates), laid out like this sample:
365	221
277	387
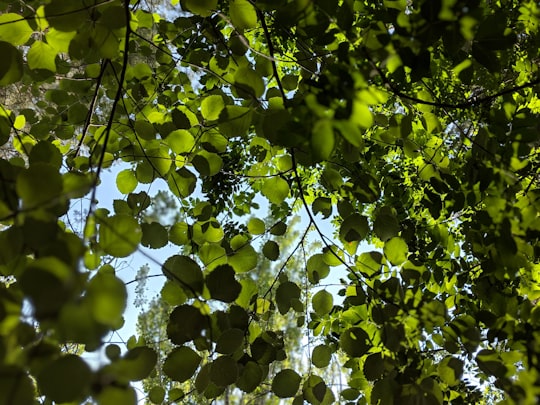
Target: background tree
410	125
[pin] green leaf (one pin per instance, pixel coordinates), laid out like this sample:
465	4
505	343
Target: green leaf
275	189
14	29
126	181
184	271
181	364
185	323
136	364
108	296
66	15
112	395
235	120
182	182
271	250
40	184
244	258
207	163
243	14
42	56
396	251
203	8
249	81
230	341
224	371
321	356
322	205
354	228
119	235
156	395
65	379
322	139
250	378
386	225
317	268
286	383
354	342
286	294
146	131
179	234
154	235
212	106
256	226
322	302
222	284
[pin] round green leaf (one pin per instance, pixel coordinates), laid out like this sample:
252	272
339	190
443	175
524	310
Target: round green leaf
145	130
243	14
126	181
271	250
224	371
207	163
119	235
136	364
386	225
317	268
181	364
211	107
182	182
185	323
275	189
185	271
286	383
180	141
66	379
322	302
230	341
154	235
321	356
250	377
355	342
156	395
244	257
286	294
396	251
222	284
249	81
354	228
108	296
256	226
40	184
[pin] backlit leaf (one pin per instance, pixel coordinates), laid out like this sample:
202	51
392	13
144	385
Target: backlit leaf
286	383
119	235
243	14
65	379
322	302
184	271
14	29
42	56
222	284
181	364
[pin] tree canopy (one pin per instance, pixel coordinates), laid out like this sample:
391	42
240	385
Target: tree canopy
411	127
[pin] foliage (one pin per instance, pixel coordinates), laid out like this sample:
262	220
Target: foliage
412	126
